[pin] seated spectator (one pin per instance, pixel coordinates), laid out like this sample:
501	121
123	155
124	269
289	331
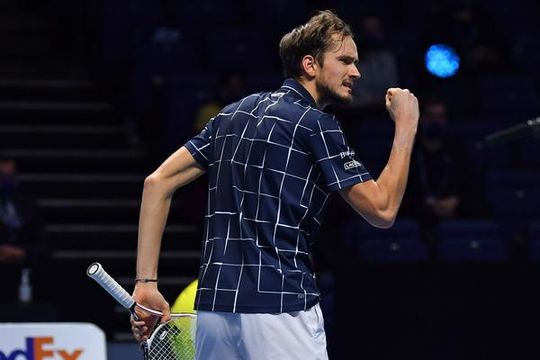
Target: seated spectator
377	64
231	88
438	173
21	231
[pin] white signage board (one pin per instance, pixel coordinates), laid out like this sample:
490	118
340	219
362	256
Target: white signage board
51	341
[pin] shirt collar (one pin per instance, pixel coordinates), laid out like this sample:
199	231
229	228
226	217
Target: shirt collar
297	88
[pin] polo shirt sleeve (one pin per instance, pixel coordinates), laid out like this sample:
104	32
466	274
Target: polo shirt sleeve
338	163
200	146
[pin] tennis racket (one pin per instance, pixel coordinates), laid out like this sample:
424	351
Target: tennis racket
173	340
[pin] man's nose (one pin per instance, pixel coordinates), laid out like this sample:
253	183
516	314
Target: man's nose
355	72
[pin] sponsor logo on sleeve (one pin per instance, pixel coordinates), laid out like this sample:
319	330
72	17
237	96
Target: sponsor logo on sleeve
344	154
352	164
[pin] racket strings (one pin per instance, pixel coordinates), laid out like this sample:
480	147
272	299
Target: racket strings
173	340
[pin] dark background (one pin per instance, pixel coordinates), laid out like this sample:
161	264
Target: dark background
142	69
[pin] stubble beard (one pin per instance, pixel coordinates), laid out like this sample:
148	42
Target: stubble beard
331	97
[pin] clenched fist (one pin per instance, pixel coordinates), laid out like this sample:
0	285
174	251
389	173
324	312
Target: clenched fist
402	106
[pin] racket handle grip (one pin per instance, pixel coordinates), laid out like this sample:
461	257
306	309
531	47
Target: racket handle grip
96	272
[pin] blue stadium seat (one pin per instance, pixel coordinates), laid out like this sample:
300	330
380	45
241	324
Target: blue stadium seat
400	244
514	197
470	241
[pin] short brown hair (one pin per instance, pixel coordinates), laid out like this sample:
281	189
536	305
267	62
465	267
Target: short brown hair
312	38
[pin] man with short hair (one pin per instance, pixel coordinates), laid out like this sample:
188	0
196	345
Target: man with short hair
273	160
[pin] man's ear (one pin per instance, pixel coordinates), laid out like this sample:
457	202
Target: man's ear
309	65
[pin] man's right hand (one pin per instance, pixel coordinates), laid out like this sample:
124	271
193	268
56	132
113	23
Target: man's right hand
148	295
402	106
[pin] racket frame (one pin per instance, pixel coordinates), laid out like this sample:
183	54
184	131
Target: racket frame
107	282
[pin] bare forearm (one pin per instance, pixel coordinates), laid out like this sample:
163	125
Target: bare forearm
402	106
379	201
178	170
393	179
152	219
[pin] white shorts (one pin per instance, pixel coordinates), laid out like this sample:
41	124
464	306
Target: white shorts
231	336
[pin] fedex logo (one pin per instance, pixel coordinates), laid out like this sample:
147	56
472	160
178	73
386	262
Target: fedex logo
41	348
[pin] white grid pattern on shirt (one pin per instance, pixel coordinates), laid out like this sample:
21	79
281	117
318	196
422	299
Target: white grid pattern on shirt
243	215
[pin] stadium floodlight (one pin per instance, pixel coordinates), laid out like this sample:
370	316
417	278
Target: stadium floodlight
442	60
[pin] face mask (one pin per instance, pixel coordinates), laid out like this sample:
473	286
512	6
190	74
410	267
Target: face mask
433	131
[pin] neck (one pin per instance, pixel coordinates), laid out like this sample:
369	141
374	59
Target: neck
311	87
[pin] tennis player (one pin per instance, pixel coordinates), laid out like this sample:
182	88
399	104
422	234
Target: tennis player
273	160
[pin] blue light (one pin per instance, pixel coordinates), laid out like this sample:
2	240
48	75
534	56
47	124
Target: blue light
441	60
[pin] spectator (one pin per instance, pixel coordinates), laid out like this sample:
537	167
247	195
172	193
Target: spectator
377	64
438	168
378	69
21	235
231	88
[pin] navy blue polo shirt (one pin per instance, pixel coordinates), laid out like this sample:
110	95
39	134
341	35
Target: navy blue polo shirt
273	159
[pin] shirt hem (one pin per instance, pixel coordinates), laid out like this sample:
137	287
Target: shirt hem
258	310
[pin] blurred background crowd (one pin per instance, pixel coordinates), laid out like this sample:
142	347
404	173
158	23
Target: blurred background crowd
94	95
